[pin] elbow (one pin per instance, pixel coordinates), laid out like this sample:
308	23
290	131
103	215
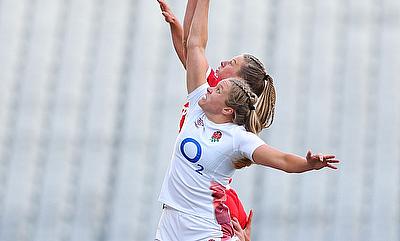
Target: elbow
194	49
194	44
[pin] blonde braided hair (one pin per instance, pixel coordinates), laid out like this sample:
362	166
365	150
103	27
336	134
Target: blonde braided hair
242	100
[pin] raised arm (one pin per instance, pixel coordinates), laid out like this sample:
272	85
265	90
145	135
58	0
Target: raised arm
271	157
187	23
176	31
196	62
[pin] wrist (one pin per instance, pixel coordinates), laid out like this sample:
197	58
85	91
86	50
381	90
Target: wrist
311	165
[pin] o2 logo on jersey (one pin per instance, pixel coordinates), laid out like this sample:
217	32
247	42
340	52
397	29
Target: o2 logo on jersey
194	157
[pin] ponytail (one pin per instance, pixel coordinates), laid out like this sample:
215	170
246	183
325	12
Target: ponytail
255	75
266	103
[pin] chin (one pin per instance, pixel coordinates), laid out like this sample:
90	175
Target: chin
204	106
201	103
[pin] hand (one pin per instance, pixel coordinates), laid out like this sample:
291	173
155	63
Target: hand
166	12
237	229
320	161
243	235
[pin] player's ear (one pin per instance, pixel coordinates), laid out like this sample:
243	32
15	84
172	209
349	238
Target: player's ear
228	111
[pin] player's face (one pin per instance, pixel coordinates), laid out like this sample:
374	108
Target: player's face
230	68
214	100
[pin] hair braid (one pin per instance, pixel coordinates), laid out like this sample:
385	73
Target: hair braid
252	98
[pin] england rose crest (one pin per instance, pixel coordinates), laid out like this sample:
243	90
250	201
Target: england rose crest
216	136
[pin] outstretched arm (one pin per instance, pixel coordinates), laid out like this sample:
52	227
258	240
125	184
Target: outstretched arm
196	62
271	157
176	31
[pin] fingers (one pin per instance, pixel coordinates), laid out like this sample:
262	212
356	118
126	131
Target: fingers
333	161
330	156
308	156
328	163
163	5
236	227
331	166
249	219
166	11
322	158
167	15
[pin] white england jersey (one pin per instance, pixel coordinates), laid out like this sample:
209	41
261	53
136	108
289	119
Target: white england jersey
202	162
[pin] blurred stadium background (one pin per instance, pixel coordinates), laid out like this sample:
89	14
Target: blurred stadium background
90	100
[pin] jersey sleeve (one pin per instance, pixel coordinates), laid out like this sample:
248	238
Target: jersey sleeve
197	94
247	143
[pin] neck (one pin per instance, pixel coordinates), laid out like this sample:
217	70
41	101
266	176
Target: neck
218	118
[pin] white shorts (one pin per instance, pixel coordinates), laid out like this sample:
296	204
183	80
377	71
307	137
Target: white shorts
175	226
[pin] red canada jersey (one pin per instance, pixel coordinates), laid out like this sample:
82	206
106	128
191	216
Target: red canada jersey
235	206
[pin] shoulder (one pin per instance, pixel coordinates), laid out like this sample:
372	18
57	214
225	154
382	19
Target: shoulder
244	137
241	130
